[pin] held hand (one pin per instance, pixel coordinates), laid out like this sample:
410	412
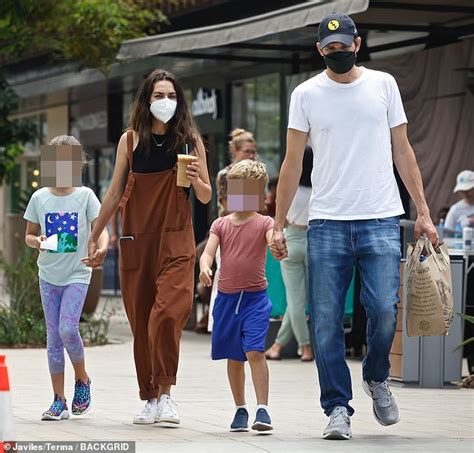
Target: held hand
193	170
278	245
424	226
205	277
39	239
97	258
91	248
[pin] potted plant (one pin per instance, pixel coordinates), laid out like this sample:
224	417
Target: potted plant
94	290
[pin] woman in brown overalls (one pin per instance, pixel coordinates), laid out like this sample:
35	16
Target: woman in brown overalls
157	247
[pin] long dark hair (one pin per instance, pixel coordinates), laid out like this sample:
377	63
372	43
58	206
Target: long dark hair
181	129
305	179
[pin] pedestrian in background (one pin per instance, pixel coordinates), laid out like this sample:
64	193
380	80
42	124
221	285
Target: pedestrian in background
294	269
242	145
461	213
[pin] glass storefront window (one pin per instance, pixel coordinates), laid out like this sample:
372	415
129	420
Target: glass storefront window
293	80
97	172
25	177
256	108
32	174
15	190
27	171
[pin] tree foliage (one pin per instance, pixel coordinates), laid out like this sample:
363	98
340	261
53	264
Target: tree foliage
87	31
12	133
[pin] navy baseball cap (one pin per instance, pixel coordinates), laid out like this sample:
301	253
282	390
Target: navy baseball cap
337	28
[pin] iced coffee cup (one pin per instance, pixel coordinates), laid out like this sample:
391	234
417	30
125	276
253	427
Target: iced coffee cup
184	160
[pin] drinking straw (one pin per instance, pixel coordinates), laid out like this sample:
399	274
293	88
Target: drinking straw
186	148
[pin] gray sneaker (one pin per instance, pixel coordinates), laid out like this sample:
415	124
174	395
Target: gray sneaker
384	405
339	426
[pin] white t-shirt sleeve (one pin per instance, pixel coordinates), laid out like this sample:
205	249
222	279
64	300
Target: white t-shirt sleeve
451	218
93	206
297	117
396	112
31	213
450	222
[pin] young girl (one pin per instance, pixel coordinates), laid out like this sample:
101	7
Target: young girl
64	275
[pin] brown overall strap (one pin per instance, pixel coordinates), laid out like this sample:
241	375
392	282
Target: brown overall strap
130	149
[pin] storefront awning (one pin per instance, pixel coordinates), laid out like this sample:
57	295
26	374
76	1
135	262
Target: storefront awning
281	20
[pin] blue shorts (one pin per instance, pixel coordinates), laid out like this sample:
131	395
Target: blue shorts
241	322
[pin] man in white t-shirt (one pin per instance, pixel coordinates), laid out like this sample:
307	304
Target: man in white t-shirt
357	127
462	212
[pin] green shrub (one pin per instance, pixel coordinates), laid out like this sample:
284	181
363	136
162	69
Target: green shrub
22	321
95	328
470	319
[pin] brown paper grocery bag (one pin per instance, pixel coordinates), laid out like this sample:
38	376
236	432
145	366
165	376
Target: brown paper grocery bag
429	289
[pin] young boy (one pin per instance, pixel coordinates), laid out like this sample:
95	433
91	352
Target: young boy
242	308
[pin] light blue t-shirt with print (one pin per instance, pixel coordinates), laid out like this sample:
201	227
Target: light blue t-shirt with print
69	217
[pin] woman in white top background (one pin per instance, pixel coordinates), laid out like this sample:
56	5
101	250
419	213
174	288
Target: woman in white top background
294	270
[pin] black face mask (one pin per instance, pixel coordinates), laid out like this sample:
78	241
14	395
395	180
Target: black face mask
340	62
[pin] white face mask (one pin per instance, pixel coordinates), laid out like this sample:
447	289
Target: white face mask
163	109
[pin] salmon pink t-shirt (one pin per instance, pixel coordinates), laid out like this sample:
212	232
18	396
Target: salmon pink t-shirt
243	253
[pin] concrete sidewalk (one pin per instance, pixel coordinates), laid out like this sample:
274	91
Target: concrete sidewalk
432	420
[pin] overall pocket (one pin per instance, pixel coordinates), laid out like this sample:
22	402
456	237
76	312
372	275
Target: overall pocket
128	258
177	248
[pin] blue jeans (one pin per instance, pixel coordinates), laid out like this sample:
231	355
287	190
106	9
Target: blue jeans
334	247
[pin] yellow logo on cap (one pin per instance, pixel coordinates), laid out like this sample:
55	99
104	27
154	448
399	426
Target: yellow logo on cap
333	25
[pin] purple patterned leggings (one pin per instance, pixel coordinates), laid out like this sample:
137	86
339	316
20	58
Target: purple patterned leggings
62	306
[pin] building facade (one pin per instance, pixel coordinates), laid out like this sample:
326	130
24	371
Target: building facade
242	74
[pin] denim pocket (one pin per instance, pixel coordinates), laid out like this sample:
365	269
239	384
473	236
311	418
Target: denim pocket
393	222
317	223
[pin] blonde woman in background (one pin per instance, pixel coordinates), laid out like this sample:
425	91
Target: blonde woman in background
242	145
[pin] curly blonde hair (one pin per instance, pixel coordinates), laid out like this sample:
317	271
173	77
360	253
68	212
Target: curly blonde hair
248	169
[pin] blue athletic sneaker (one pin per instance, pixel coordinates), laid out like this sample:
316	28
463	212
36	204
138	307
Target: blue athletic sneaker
82	397
262	421
57	411
241	421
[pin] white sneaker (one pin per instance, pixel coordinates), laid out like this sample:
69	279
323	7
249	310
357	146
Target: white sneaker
148	413
167	411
